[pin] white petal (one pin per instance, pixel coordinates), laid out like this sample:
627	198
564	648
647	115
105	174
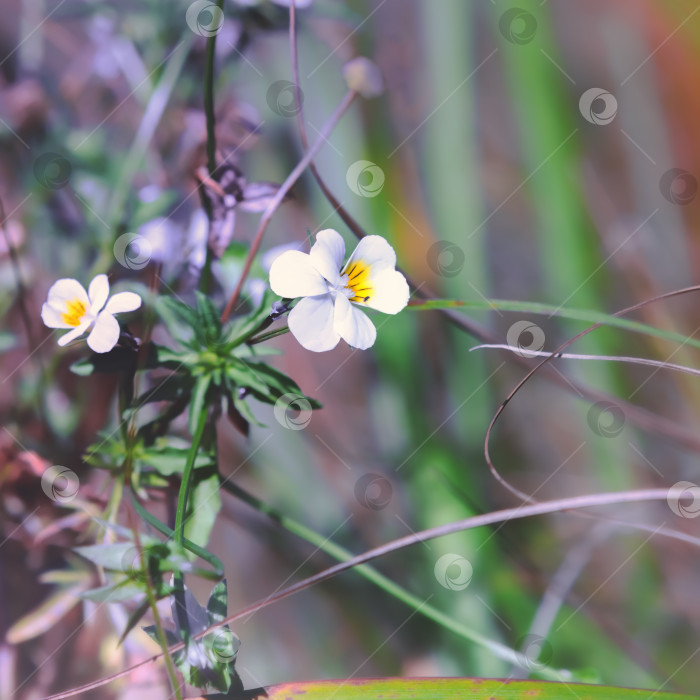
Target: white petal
311	323
352	325
391	291
105	334
98	291
328	253
374	251
65	290
53	318
123	301
75	333
292	275
267	258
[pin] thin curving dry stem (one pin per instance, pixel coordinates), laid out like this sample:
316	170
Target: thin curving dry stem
550	356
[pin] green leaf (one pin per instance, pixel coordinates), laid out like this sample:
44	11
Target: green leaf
169	459
152	632
278	382
180	319
203	506
123	557
191	546
241	375
222	646
134	618
242	328
209	326
108	556
217	606
452	688
244	409
115	593
188	614
173	359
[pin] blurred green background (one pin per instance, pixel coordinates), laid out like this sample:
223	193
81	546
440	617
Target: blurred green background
534	151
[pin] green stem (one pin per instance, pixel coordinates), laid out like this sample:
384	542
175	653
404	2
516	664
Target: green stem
150	595
419	605
186	484
205	279
209	98
183	495
267	336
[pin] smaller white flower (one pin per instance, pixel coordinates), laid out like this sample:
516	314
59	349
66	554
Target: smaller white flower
70	306
333	292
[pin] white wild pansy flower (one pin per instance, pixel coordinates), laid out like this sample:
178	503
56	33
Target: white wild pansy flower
70	306
333	293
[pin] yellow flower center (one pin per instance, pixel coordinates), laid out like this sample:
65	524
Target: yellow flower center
358	283
75	310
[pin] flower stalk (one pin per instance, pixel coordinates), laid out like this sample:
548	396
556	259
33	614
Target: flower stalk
283	190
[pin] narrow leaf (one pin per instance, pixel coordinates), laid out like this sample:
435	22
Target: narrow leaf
453	688
217	606
586	315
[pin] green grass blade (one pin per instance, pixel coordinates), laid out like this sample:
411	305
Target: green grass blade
587	315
